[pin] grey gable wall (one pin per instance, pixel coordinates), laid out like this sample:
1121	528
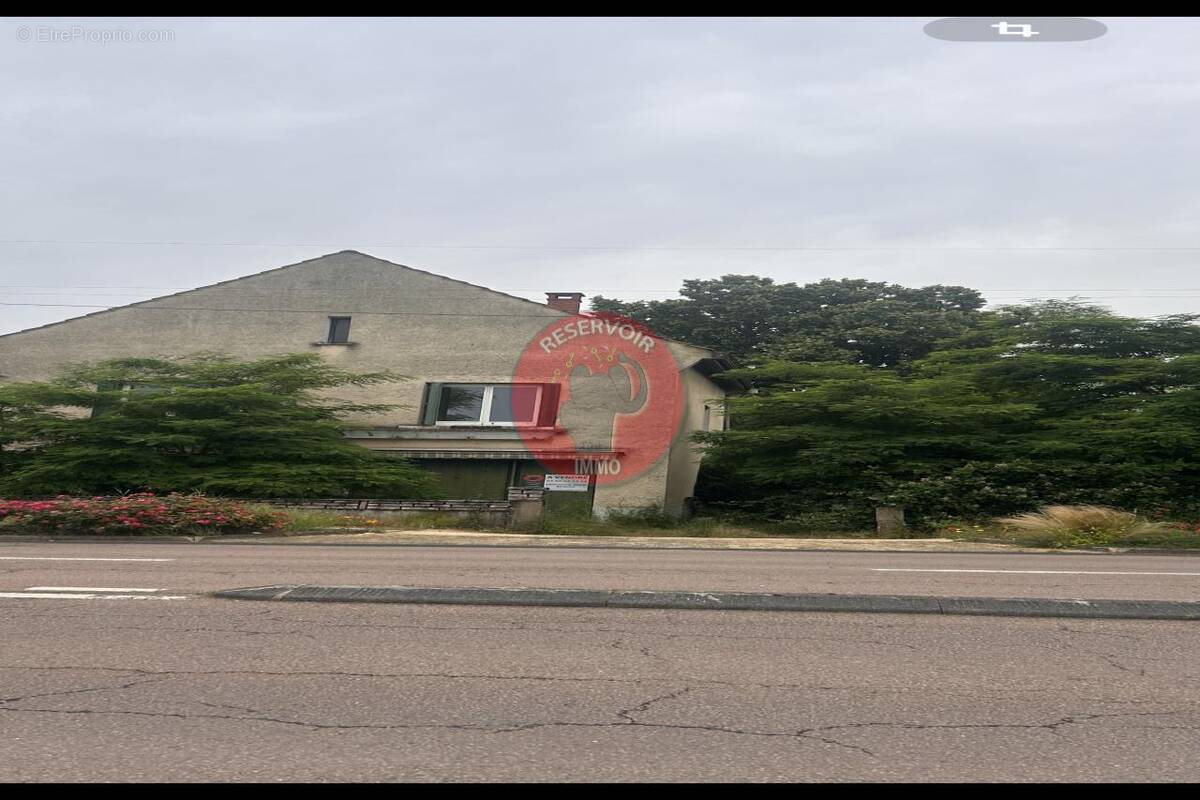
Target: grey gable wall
404	320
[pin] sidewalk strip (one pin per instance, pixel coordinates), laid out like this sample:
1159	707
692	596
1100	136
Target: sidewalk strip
43	595
85	589
70	558
1032	571
729	601
47	595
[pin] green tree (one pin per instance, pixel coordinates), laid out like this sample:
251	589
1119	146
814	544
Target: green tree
210	423
21	406
816	437
851	320
1045	403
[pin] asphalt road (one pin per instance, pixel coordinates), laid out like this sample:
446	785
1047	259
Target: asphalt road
193	688
209	567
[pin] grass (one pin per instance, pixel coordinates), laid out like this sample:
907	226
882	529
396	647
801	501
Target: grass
302	520
1064	527
626	523
634	524
656	523
1059	527
437	521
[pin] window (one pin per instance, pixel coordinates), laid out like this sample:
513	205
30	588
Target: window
339	330
488	404
516	404
461	404
106	405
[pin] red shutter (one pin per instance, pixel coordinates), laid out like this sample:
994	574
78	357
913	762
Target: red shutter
548	413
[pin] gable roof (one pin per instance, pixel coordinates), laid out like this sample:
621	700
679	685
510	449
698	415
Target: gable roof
231	281
714	361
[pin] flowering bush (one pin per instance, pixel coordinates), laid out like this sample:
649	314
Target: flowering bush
138	513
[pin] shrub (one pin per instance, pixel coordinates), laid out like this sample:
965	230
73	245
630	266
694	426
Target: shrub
142	513
1079	526
204	423
798	513
1169	535
984	490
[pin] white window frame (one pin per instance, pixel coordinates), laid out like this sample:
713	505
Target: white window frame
485	409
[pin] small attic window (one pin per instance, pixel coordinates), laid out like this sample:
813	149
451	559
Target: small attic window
339	330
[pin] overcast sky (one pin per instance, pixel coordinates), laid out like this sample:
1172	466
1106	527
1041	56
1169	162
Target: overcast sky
499	152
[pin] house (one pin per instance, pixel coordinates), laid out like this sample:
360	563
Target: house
502	391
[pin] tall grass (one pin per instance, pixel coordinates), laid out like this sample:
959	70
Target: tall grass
1079	526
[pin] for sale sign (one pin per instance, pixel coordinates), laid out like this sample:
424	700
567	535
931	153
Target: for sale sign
567	483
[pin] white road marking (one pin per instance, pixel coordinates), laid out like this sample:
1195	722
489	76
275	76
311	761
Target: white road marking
79	596
48	595
1033	571
85	589
67	558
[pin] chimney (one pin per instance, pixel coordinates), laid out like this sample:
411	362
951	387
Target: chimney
565	301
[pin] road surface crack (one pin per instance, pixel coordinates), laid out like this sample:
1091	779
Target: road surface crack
1077	719
627	720
241	631
341	674
627	713
64	692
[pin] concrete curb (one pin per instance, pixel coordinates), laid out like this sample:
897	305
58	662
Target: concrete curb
728	601
98	538
596	543
543	542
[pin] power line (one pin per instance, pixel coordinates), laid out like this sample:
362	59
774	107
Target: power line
138	307
141	307
648	248
67	289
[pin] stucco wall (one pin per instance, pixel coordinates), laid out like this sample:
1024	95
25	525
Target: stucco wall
700	392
